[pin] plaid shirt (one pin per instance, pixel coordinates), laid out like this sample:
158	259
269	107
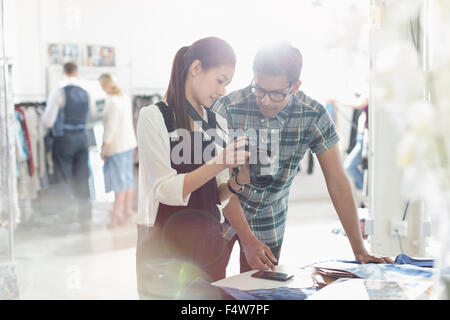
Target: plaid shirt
303	124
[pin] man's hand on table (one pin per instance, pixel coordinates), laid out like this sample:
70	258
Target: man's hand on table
366	258
259	256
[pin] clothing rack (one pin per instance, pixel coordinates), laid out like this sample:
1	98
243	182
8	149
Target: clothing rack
34	142
38	106
141	100
30	104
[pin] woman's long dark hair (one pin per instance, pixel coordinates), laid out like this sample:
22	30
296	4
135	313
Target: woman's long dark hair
212	52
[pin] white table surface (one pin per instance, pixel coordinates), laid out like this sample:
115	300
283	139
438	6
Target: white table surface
244	281
353	289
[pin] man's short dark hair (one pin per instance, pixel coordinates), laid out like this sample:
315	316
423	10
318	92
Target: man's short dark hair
279	59
70	68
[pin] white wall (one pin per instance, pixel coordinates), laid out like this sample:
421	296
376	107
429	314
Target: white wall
42	22
24	49
146	35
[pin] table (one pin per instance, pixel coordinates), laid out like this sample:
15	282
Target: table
303	278
350	289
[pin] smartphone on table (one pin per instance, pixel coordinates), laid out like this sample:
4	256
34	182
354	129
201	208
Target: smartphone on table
271	275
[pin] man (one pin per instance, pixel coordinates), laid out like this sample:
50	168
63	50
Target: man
271	102
67	111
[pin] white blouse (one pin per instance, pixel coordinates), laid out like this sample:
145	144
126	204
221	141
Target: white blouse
158	181
118	124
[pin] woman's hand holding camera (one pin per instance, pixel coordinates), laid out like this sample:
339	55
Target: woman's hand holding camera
243	176
234	154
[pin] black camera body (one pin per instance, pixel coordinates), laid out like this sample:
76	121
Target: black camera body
259	171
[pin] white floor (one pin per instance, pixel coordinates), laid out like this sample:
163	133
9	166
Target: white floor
100	264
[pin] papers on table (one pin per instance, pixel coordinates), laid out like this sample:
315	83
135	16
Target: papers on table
377	281
367	289
373	271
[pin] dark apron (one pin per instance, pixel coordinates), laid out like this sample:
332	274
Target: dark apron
186	241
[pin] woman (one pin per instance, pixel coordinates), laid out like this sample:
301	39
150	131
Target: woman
178	219
119	143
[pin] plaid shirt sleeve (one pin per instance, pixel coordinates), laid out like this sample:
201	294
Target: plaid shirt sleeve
324	133
221	107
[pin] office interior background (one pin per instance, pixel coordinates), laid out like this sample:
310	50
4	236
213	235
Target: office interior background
398	52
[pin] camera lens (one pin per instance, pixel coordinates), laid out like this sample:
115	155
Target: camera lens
260	172
257	178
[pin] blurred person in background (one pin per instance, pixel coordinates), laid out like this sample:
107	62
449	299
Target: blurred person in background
353	162
67	112
119	143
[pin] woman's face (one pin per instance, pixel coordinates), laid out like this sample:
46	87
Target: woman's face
209	85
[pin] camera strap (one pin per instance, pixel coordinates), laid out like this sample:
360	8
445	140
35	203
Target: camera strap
205	125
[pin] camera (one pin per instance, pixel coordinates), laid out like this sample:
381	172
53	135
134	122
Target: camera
260	160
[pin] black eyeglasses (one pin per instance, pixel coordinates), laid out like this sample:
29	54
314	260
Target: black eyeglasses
274	95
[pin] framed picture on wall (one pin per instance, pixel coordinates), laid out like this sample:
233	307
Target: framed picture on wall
70	53
61	53
92	56
55	53
100	56
108	56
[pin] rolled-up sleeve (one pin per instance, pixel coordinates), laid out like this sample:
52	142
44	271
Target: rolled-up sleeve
324	133
164	182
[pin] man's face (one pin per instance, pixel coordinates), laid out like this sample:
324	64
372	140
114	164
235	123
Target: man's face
278	86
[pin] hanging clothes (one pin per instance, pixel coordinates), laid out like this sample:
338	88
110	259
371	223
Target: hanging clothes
21	149
26	190
354	129
27	138
33	125
140	101
30	157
